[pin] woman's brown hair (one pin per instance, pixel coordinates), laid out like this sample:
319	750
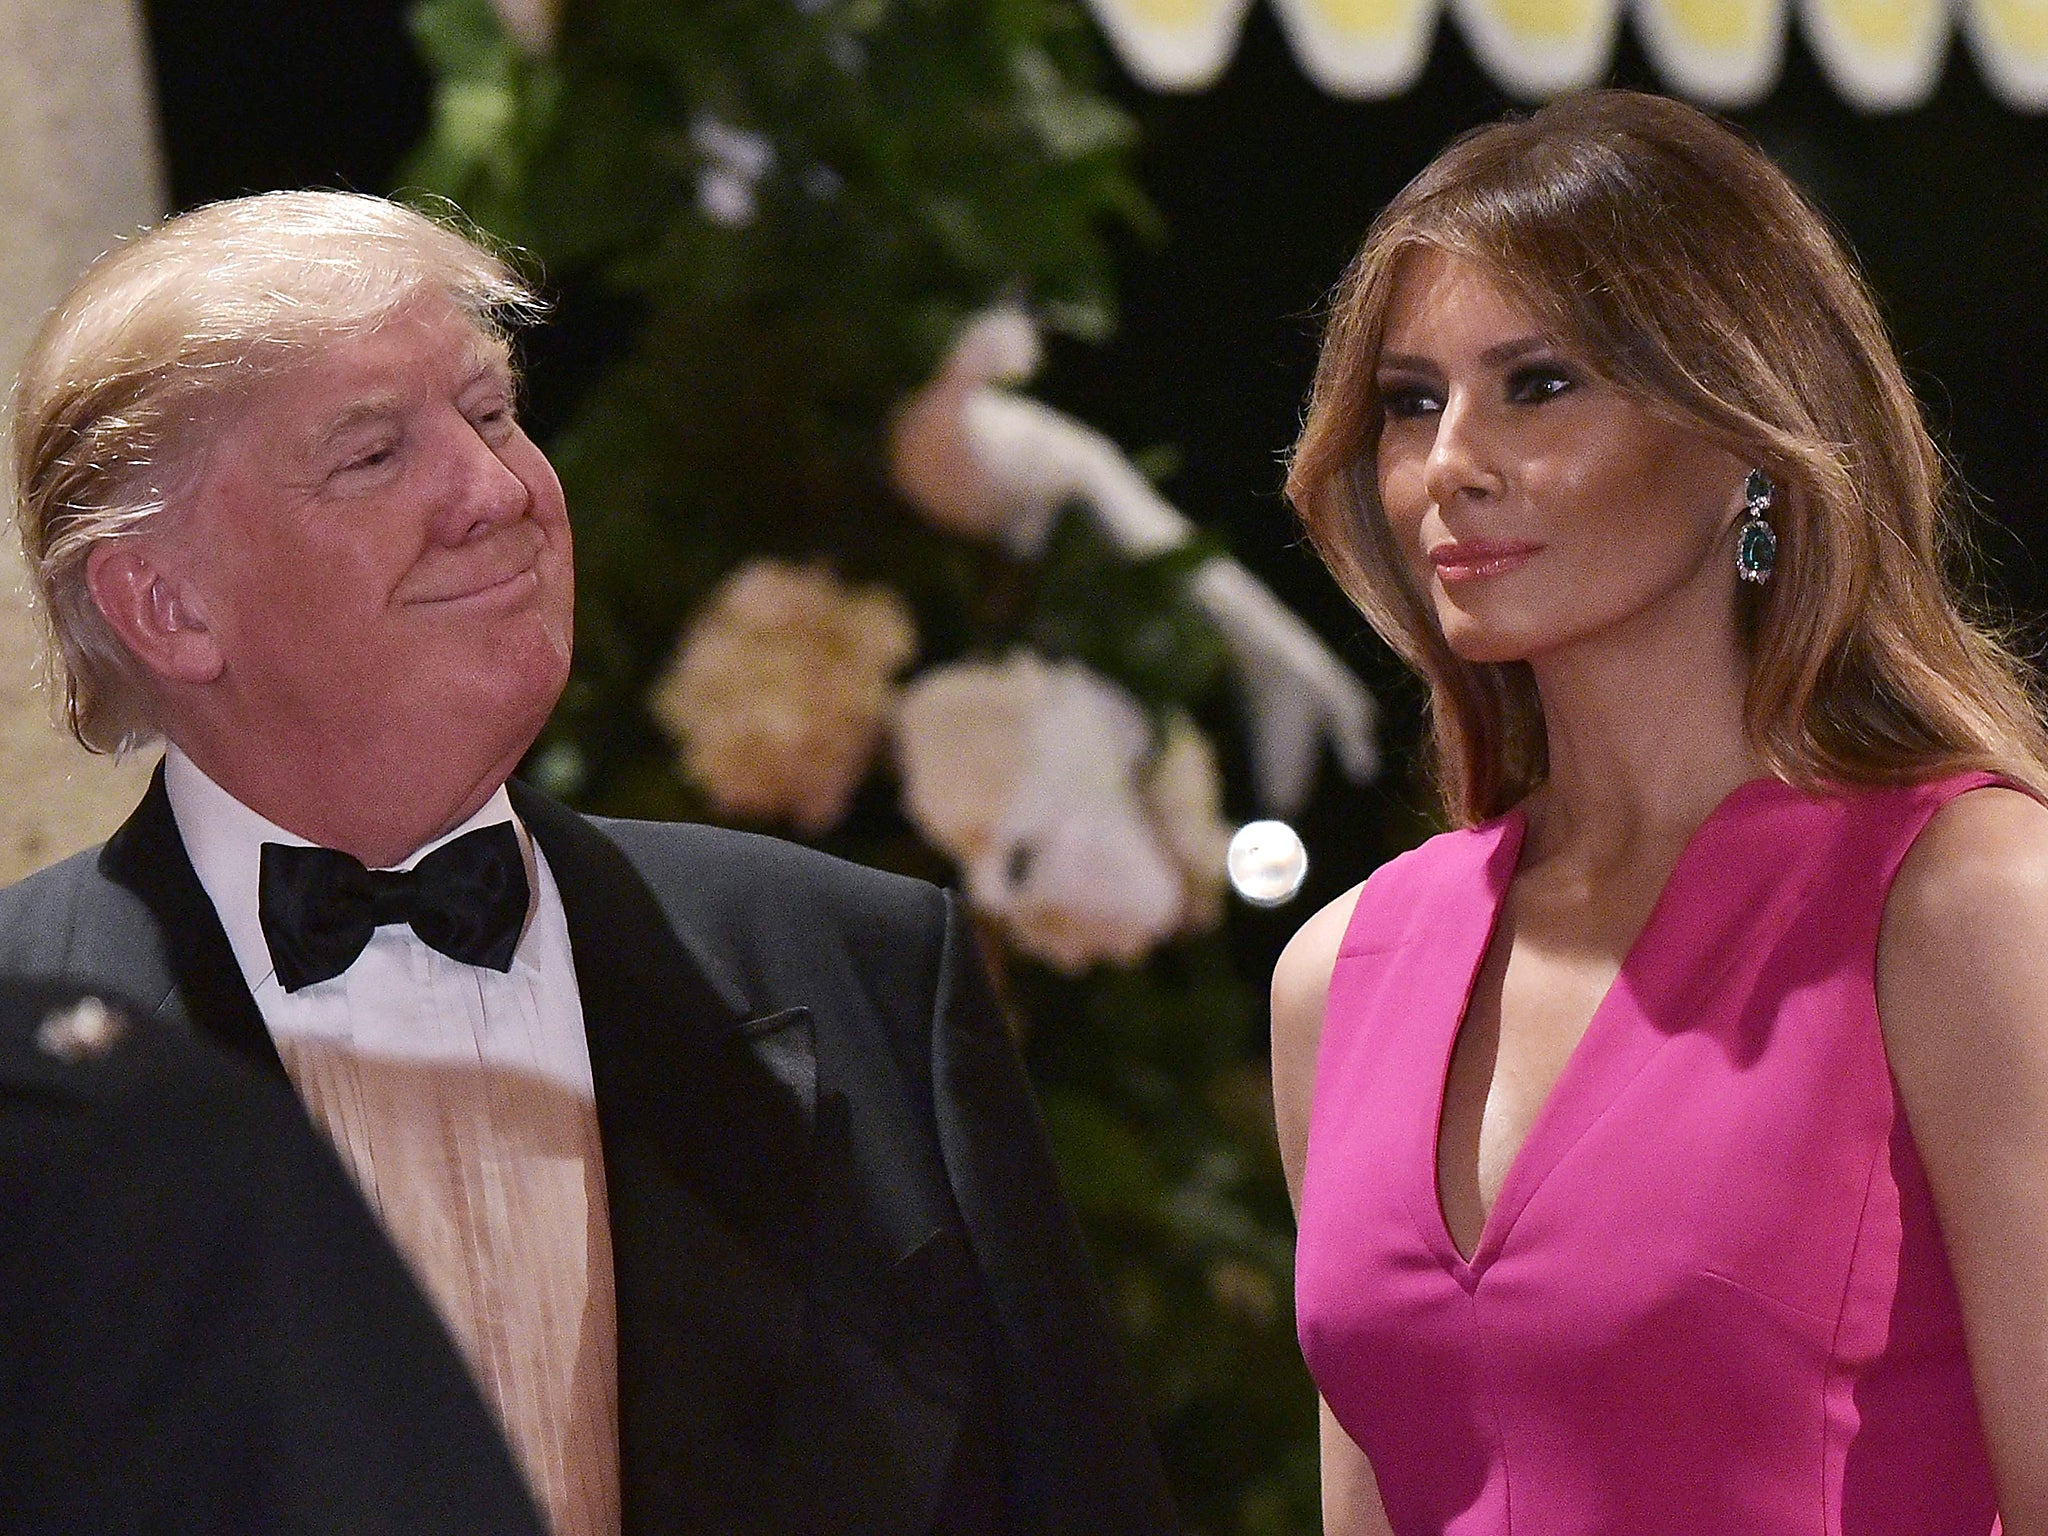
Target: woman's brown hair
1690	271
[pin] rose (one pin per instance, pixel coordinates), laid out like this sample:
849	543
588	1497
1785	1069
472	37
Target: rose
780	689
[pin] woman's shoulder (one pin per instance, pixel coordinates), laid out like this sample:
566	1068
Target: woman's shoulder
1301	986
1962	995
1378	909
1301	976
1976	875
1962	959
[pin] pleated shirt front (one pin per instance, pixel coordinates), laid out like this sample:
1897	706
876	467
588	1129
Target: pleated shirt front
460	1099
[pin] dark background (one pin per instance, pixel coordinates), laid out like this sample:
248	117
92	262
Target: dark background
1267	185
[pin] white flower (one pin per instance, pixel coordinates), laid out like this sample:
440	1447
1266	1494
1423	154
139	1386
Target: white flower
1035	776
780	690
1184	792
1079	886
532	23
962	735
725	198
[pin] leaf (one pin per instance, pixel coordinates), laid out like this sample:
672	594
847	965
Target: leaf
461	39
1130	620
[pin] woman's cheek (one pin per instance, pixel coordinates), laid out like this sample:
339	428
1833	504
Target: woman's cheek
1404	515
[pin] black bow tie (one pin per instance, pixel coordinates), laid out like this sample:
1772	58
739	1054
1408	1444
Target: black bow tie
318	907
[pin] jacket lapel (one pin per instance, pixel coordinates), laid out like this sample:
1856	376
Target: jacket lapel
796	1345
206	992
676	1055
708	1121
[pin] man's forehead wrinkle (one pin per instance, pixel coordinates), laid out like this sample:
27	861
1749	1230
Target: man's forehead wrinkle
482	358
350	390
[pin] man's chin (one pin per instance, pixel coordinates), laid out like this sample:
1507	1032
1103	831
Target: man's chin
492	714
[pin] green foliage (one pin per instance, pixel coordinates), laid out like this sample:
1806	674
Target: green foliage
929	157
787	208
1161	1113
1128	619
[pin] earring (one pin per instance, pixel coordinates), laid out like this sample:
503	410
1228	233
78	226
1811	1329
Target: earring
1756	543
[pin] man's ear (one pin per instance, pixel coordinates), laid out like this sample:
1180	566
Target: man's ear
152	610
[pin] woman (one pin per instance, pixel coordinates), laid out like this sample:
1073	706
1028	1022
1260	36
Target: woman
1670	1141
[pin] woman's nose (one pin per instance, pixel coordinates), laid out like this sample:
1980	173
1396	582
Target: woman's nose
1460	463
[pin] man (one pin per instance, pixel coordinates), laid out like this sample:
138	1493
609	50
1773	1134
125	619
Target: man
206	1333
712	1151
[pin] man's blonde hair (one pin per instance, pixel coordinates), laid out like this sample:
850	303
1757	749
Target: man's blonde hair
151	347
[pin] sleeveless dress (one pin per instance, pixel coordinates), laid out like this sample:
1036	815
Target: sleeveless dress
1712	1296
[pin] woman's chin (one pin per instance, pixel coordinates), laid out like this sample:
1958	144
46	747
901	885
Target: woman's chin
1485	645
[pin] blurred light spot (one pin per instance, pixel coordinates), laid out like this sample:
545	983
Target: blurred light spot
1267	863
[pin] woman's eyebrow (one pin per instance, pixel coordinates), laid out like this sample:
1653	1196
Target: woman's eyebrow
1519	347
1498	355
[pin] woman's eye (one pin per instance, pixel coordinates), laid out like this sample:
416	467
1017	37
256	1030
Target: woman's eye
1402	402
1539	382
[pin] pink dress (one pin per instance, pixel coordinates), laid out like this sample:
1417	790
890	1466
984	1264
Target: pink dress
1712	1297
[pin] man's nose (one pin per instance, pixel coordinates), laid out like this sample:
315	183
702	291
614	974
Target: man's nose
482	491
1460	465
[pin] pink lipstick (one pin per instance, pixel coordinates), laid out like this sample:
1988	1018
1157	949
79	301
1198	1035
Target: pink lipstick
1471	559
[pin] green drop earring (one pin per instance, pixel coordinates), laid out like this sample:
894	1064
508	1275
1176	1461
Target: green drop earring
1756	543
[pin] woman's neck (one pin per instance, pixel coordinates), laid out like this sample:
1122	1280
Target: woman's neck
1645	737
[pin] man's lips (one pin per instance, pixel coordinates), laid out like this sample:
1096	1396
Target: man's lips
505	563
1470	559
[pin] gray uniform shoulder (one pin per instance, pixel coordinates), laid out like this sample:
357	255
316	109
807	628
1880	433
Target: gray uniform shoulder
45	898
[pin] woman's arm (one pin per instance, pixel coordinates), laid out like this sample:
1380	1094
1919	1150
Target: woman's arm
1301	981
1351	1499
1962	983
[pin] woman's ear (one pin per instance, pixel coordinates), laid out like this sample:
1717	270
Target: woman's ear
153	610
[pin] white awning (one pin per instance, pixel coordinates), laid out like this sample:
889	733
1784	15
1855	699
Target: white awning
1882	55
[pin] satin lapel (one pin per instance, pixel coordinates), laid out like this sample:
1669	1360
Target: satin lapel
708	1121
148	857
667	1041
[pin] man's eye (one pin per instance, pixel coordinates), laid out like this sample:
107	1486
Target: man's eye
1402	402
1537	383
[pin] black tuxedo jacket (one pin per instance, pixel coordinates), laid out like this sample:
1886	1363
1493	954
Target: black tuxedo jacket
850	1296
203	1330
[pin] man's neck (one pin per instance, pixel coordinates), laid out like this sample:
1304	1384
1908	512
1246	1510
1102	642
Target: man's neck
379	814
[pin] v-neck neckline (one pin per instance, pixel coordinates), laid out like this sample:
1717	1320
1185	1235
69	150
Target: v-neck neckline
1595	1070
